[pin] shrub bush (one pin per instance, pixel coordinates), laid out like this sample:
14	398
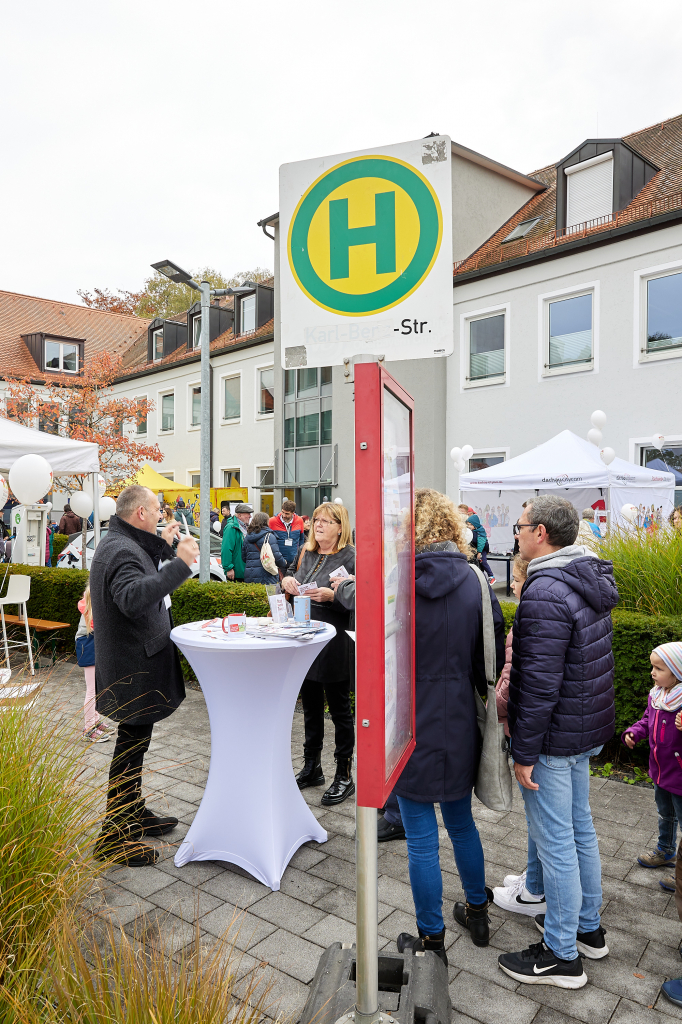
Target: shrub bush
55	594
634	637
193	600
59	542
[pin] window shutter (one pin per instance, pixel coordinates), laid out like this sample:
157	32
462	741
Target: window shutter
590	190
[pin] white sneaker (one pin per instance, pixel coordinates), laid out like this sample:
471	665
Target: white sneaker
516	898
510	879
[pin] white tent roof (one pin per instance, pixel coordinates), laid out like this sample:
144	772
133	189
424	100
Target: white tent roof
64	455
564	461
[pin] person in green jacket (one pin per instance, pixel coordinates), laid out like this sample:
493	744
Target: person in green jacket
233	538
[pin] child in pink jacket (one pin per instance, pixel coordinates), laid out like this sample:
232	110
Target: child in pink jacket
661	724
519	574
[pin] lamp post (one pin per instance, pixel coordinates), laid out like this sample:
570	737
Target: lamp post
175	273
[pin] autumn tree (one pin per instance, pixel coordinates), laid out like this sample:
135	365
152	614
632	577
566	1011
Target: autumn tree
86	409
163	298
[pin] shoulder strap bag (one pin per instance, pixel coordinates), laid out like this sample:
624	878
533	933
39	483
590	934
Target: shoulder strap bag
267	559
493	783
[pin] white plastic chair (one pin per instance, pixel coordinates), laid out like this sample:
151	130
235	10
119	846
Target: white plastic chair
18	592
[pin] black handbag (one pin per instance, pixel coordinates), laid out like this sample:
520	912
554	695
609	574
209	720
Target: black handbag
85	650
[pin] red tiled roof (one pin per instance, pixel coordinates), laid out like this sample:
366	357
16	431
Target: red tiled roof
135	359
660	143
26	314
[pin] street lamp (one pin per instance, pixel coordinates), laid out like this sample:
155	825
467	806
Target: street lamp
175	273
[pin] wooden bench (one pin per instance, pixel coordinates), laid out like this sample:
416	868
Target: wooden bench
39	626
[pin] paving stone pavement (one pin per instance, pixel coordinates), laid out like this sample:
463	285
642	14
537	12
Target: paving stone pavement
281	935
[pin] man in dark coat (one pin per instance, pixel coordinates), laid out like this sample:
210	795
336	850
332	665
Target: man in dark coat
561	711
137	669
70	522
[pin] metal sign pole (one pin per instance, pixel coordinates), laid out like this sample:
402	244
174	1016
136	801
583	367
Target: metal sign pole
367	914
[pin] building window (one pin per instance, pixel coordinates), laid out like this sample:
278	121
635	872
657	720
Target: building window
477	462
231	478
486	348
196	331
194	479
232	406
267	498
196	406
266	391
59	355
668	459
522	229
157	344
570	333
248	314
48	417
141	422
168	412
168	476
589	193
664	313
308	452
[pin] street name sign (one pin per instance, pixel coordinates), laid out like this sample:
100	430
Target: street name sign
366	254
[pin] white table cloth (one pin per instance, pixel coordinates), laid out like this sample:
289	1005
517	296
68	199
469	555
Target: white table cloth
252	812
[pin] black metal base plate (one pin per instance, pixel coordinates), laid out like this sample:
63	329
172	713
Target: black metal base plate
413	988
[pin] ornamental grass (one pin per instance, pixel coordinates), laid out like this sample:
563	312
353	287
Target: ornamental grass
47	820
647	568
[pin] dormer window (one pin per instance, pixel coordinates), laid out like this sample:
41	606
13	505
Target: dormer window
157	344
61	356
522	229
248	314
196	331
589	189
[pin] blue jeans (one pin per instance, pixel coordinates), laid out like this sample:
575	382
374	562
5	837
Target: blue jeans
560	823
421	832
669	806
535	883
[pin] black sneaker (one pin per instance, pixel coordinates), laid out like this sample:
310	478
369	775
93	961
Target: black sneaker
537	965
590	944
386	831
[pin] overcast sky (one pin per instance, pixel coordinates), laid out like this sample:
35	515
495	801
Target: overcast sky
136	130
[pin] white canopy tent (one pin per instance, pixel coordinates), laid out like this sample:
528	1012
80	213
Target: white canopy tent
571	467
63	454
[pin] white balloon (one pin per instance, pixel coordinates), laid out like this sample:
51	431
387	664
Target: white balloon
594	436
467	452
216	526
598	419
461	466
107	508
629	512
607	456
81	503
657	440
455	454
87	485
338	501
30	478
4	491
468	535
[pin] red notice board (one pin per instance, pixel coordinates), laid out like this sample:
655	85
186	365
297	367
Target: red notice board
384	594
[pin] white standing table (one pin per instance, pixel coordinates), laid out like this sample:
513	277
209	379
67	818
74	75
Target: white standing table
252	812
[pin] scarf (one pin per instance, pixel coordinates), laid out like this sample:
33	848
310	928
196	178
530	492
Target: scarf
666	700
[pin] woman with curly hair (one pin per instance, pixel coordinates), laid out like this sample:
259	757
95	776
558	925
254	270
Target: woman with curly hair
442	769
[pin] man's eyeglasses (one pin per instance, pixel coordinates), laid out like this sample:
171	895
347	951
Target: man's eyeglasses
519	526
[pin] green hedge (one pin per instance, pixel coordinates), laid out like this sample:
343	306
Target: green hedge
55	594
59	542
193	600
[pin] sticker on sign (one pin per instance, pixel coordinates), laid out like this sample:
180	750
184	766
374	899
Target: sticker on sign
369	241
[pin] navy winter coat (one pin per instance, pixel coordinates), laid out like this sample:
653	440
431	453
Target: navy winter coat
449	665
253	570
561	698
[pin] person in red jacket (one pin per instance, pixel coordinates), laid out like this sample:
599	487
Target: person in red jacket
288	530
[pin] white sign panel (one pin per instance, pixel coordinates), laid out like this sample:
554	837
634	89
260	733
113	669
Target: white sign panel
366	254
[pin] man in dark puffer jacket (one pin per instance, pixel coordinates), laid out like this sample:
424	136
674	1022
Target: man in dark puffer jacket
561	711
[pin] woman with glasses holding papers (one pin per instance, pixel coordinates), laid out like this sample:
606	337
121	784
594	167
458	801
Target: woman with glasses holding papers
328	552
